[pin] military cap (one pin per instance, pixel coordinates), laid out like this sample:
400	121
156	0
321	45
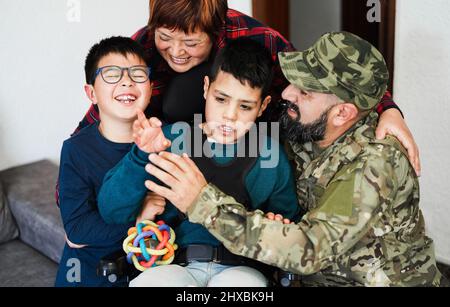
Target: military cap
339	63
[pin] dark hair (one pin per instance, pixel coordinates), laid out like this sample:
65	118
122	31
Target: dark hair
189	15
115	44
247	61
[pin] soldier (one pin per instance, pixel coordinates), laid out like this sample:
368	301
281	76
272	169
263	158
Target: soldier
363	225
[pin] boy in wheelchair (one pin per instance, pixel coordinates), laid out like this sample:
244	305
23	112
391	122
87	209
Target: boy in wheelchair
236	94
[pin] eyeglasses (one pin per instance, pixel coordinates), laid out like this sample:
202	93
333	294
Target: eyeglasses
113	74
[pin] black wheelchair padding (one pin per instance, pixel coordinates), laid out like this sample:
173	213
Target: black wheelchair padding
228	177
207	253
184	95
116	265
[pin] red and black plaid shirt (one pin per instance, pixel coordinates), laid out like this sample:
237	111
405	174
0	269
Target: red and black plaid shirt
236	25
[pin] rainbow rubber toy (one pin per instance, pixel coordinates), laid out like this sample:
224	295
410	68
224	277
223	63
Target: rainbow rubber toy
150	244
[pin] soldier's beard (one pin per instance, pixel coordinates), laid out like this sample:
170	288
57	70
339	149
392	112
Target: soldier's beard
300	133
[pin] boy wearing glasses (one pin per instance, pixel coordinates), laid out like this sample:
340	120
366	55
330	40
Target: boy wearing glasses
117	77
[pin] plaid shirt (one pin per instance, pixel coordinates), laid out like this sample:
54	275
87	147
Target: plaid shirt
236	25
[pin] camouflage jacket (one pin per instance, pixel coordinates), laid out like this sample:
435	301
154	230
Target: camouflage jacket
363	226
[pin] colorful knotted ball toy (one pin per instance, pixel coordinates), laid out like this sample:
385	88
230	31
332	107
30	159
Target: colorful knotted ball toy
150	244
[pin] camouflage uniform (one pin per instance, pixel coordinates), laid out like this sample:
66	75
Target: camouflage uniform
363	225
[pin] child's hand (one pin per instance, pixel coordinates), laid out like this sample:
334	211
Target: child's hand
152	206
148	135
73	245
278	217
206	129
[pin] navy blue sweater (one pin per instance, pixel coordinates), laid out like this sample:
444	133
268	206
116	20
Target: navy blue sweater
85	159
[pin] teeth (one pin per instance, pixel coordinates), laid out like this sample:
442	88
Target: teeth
126	98
227	129
179	60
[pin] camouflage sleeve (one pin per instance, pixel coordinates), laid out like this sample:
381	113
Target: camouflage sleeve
348	209
251	235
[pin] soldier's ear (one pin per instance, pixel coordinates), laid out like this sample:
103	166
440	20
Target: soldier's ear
344	113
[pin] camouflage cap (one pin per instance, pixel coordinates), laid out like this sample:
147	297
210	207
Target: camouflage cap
339	63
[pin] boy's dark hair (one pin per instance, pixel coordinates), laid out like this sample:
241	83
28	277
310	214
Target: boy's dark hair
115	44
247	61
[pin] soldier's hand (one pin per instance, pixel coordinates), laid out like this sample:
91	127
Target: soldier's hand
278	217
183	180
148	135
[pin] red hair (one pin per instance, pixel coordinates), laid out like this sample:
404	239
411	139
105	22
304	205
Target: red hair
189	15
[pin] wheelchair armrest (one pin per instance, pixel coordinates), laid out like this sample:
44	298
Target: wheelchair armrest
115	266
288	279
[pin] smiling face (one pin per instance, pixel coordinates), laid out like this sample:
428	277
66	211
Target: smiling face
180	50
120	101
231	107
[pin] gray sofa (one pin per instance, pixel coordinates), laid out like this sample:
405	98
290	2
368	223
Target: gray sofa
31	231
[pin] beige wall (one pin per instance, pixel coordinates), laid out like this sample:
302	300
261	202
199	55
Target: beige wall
422	89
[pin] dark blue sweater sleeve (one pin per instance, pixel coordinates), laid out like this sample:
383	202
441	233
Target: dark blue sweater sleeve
81	218
123	189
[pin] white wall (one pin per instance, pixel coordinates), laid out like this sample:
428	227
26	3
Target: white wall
422	89
310	19
243	6
42	56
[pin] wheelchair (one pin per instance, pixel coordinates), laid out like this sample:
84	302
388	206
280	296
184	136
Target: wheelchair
115	266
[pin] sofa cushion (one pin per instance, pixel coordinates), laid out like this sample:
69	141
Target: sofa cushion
30	192
7	223
23	266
